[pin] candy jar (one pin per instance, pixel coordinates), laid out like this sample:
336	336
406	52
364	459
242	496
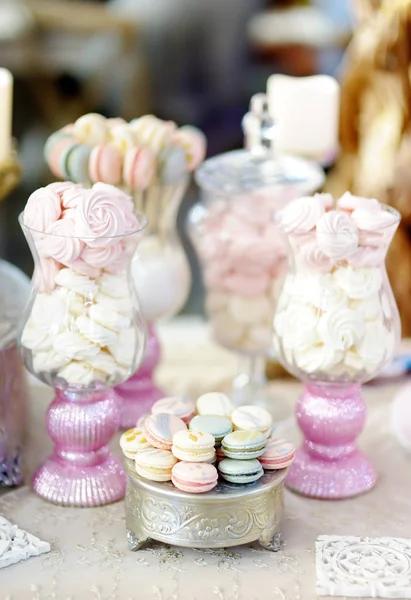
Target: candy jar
240	249
82	332
336	326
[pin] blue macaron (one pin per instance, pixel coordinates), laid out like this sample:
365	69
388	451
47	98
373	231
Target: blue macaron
244	445
219	427
240	471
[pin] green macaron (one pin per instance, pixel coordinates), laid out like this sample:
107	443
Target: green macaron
240	471
219	427
244	445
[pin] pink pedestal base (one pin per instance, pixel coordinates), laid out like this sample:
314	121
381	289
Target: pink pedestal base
138	394
81	470
329	464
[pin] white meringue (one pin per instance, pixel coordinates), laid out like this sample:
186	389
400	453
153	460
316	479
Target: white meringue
95	332
108	318
300	327
354	362
122	305
104	362
370	308
341	328
324	294
73	345
34	338
124	348
73	281
114	286
75	303
337	235
318	359
358	283
45	362
48	313
373	348
81	373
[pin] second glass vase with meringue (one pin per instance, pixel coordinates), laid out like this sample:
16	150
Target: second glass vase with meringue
336	326
82	332
243	256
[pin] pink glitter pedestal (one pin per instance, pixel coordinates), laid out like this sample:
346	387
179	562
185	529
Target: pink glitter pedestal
81	470
139	392
328	465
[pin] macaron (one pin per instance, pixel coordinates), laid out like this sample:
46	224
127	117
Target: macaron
244	444
252	417
214	403
54	140
133	441
193	446
240	471
180	407
172	165
195	478
106	164
139	168
77	164
155	464
219	427
279	454
160	429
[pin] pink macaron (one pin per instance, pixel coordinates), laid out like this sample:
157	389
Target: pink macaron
106	164
139	168
194	478
160	429
279	454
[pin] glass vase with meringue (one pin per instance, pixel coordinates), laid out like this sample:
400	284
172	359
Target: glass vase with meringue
152	160
336	326
240	248
82	332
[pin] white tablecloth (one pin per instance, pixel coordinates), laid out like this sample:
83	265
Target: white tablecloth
90	559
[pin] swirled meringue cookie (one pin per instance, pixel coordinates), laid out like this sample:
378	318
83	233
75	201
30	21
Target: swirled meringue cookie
73	345
104	362
358	283
341	328
121	305
370	308
372	347
81	373
109	318
123	347
94	332
48	313
34	338
317	359
374	220
300	327
75	304
73	281
350	202
301	215
337	235
312	256
47	361
114	286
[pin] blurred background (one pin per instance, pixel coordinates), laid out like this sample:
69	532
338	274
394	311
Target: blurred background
191	61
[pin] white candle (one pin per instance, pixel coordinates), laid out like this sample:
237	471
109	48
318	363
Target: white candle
306	111
6	103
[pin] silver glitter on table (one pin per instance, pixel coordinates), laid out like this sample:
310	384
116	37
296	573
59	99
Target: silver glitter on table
229	515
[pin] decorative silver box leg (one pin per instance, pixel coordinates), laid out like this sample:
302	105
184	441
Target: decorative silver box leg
135	543
274	544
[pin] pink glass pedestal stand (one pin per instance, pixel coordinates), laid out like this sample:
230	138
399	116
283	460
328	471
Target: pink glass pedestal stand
81	471
138	394
329	465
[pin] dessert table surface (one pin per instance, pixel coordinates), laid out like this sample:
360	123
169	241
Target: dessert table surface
90	559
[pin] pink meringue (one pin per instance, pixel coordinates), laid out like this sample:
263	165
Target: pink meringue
71	196
105	256
375	220
42	209
350	202
103	214
314	258
337	235
61	243
63	186
301	215
247	285
83	268
44	274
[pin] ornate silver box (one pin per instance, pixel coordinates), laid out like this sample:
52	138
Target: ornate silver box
229	515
